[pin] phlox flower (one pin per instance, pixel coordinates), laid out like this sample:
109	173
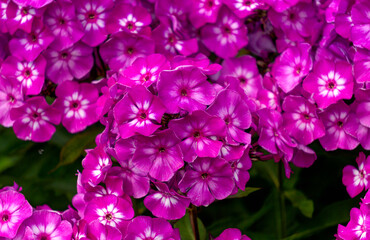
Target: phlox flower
160	155
109	210
207	179
139	111
244	8
65	65
358	226
61	19
245	70
240	169
185	88
362	65
77	102
131	19
28	46
291	66
143	227
301	120
329	82
335	118
14	210
200	60
198	131
166	203
33	3
226	36
99	231
122	49
356	180
93	15
230	106
34	120
29	74
21	17
362	117
48	224
3	16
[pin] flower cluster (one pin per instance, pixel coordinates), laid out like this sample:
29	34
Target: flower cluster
178	126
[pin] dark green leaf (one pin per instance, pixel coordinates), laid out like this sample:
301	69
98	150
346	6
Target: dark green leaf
300	201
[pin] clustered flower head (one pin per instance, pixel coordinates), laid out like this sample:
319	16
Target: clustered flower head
180	101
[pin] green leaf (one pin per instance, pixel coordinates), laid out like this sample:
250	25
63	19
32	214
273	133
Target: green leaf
300	201
331	215
246	192
186	231
76	146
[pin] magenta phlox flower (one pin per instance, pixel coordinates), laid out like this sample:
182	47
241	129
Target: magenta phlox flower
160	155
200	60
21	17
139	111
303	156
70	63
34	120
78	104
359	121
291	66
362	65
301	121
360	31
197	132
245	70
144	71
226	36
109	210
98	231
204	11
61	19
14	210
29	74
28	46
185	88
170	42
135	181
207	179
329	82
48	224
273	137
232	233
122	49
335	118
230	106
356	180
131	19
296	22
144	227
96	165
166	203
10	97
240	169
93	15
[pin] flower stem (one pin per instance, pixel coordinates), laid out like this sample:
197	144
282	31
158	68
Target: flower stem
194	221
282	200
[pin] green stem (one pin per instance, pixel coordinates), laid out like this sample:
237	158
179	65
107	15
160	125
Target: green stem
193	214
282	200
